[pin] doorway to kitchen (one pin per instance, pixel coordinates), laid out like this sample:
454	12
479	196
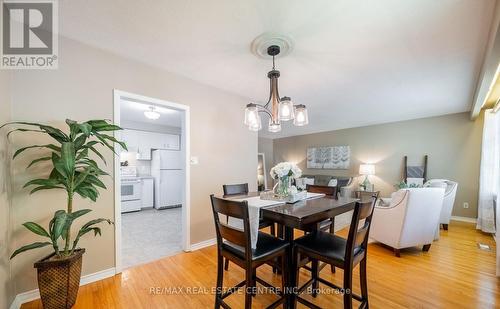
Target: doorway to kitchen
151	179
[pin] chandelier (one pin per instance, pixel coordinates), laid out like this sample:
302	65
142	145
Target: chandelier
278	109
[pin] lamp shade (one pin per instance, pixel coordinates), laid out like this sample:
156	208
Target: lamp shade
367	169
286	109
301	118
274	126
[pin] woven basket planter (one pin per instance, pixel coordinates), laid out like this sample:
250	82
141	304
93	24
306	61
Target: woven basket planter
59	280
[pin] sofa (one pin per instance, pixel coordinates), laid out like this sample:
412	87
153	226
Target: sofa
323	180
344	184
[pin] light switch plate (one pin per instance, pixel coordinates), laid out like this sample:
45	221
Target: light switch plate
194	161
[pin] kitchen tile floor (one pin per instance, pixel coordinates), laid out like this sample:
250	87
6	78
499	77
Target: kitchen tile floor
151	234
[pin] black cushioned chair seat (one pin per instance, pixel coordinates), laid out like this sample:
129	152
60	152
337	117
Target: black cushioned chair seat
325	244
266	245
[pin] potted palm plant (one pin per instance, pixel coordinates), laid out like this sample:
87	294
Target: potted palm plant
73	170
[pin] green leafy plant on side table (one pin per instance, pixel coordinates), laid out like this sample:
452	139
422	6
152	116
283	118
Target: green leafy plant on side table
403	185
72	170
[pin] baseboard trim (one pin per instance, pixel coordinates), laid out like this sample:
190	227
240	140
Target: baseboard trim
203	244
464	219
28	296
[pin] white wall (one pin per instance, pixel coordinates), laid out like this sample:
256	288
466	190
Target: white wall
81	89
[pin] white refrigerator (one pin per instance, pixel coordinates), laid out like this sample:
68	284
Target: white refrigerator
168	171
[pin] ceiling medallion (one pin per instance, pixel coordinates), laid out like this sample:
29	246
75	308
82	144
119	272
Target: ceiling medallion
278	109
261	43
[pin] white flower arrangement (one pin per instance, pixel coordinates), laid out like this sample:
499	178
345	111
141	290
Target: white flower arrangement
283	169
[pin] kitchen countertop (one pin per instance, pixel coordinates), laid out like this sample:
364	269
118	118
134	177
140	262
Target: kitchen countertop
138	177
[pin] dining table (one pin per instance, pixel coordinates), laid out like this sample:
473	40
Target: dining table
299	215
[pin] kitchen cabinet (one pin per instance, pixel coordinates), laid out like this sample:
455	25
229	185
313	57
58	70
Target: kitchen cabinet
147	197
142	142
144	149
166	141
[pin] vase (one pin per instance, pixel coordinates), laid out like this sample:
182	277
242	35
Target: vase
59	280
282	188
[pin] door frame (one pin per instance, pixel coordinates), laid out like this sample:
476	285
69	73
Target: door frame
185	143
263	167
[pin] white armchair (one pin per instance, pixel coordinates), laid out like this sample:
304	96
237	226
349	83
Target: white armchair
449	198
410	220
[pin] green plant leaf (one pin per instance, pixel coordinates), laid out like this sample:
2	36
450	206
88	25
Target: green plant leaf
102	125
97	153
39	160
68	158
48	146
45	188
80	176
83	153
88	227
95	181
36	228
87	191
55	133
70	218
42	182
85	128
30	247
111	138
54	174
95	221
23	130
80	141
60	166
59	223
103	140
79	213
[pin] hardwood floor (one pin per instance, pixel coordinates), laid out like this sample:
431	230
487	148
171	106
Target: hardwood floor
453	274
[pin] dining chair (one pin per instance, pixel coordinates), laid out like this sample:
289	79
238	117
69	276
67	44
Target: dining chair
366	195
235	244
327	225
236	189
242	189
339	252
327	190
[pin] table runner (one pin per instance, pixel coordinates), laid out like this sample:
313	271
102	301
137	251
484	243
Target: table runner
254	206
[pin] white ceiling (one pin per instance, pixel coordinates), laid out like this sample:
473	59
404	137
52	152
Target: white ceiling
354	63
134	111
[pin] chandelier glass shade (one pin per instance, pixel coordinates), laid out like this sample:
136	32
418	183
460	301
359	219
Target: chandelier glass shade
278	109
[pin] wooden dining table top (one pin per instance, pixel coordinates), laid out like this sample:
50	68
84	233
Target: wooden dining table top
305	212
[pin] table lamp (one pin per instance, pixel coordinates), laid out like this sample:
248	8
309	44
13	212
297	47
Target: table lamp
366	169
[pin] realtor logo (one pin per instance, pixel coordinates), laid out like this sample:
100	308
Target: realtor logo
29	34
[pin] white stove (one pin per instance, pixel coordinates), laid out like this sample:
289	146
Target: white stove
131	187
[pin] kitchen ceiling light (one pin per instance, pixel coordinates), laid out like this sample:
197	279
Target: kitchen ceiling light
277	109
152	113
